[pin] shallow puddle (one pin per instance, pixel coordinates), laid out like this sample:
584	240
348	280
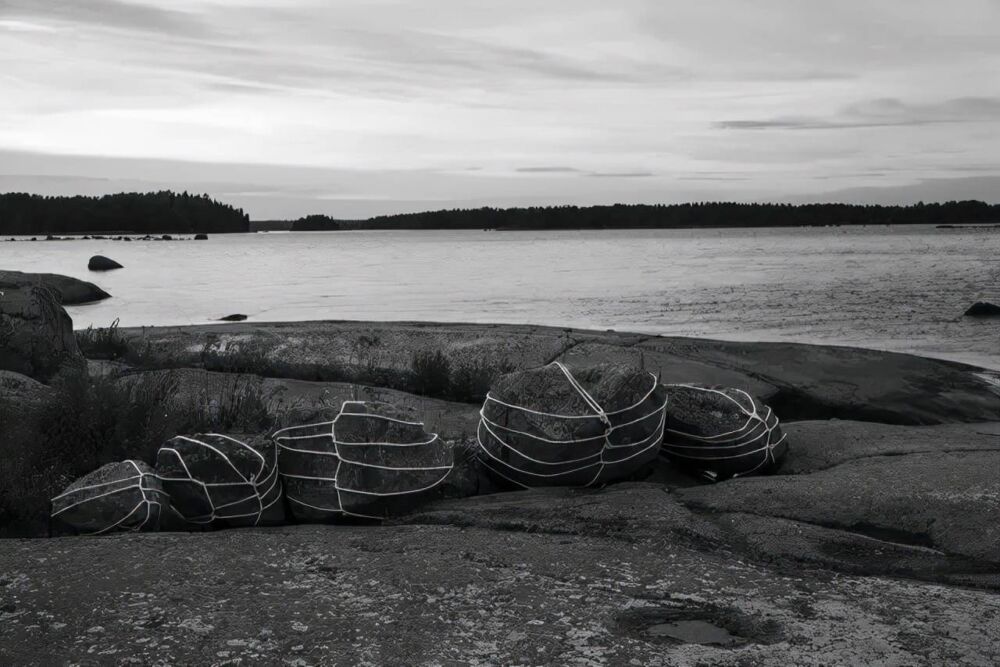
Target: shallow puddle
694	632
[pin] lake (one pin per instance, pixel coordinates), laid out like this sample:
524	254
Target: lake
893	288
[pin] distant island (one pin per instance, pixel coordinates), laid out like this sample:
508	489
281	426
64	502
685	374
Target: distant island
126	213
172	213
659	216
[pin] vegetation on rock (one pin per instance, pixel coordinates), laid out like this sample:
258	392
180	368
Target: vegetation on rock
88	421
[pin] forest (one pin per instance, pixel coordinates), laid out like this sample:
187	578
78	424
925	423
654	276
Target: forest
169	212
126	213
671	216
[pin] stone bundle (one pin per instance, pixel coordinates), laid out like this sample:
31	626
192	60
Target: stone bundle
721	432
551	426
216	479
368	462
124	496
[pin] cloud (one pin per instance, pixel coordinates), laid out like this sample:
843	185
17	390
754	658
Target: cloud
621	174
106	13
882	112
559	102
547	170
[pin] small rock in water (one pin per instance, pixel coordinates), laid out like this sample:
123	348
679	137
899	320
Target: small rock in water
983	309
236	317
102	263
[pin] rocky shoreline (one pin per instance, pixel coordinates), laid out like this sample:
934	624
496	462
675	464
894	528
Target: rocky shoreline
876	541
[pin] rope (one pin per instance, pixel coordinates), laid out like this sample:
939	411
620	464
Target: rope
149	499
258	485
598	460
325	443
715	448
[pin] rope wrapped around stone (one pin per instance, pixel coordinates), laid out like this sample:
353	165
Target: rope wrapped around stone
519	443
132	500
361	464
756	445
214	477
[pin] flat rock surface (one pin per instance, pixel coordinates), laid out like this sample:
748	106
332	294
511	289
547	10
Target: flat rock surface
798	381
818	445
948	501
571	586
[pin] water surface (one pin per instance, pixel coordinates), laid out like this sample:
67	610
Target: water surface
898	288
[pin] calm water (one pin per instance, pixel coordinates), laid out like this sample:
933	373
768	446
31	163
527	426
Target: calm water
901	288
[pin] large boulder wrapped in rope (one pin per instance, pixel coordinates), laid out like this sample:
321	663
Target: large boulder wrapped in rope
556	426
721	432
217	480
372	461
123	496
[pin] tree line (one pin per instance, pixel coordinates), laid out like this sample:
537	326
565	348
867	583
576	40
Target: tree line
125	213
671	216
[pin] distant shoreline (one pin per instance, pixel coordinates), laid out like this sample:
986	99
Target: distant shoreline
167	212
134	236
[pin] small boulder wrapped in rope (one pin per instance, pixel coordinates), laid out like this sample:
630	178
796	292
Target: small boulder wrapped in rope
553	426
216	480
124	496
371	461
720	432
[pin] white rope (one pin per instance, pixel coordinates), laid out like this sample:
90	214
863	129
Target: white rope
148	499
493	399
647	443
258	485
751	416
490	424
598	460
712	448
337	449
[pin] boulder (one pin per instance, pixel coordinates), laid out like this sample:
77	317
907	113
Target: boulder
370	461
201	237
217	480
553	426
69	291
17	389
983	309
36	334
721	432
123	496
102	263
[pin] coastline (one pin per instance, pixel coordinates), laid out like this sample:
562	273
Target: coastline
801	381
974	361
889	484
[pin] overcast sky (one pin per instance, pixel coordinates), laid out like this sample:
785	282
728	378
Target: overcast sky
358	107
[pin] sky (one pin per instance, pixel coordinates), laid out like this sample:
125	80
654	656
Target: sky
361	107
